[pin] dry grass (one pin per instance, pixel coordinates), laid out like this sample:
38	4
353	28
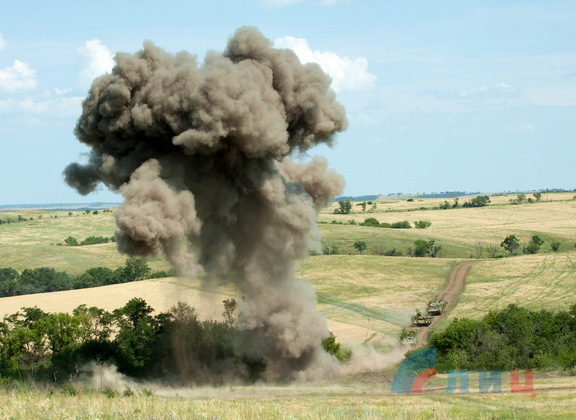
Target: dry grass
554	399
370	297
545	281
364	297
459	230
160	294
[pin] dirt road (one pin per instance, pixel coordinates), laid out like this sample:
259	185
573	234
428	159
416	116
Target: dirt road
451	294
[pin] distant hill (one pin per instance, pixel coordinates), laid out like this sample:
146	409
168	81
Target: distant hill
58	206
357	198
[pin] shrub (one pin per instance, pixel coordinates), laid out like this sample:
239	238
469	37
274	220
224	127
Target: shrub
422	224
393	253
401	225
360	246
511	244
372	222
334	348
423	248
534	246
330	249
480	201
512	338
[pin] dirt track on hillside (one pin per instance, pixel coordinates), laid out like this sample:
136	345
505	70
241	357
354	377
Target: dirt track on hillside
451	294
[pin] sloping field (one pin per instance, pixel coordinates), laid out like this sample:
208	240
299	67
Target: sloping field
160	294
40	242
364	297
542	281
368	304
370	298
458	230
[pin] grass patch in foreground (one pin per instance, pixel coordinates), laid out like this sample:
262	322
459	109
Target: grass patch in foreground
359	401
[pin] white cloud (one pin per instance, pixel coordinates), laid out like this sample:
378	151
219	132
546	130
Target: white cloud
58	107
18	76
346	73
62	91
97	60
3	42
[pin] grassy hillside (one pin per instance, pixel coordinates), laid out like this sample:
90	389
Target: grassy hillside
542	281
363	296
38	242
366	297
459	231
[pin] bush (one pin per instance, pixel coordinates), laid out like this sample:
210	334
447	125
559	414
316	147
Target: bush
334	348
423	248
401	225
534	246
513	338
422	224
511	244
330	249
480	201
372	222
393	253
360	246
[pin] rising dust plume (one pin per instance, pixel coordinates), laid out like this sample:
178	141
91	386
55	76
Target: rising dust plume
202	156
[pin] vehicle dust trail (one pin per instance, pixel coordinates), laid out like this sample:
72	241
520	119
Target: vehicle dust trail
451	294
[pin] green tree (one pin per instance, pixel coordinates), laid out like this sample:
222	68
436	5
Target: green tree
139	337
61	329
423	248
534	246
331	346
71	241
345	207
511	244
9	282
95	323
371	221
537	196
401	225
134	269
229	308
555	245
422	224
479	201
360	246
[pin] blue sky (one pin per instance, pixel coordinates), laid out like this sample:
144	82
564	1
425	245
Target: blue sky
440	95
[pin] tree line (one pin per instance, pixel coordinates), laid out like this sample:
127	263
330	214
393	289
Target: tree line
46	279
509	339
55	346
175	346
91	240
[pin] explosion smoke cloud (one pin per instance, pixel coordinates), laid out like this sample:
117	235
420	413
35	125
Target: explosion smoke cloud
201	154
